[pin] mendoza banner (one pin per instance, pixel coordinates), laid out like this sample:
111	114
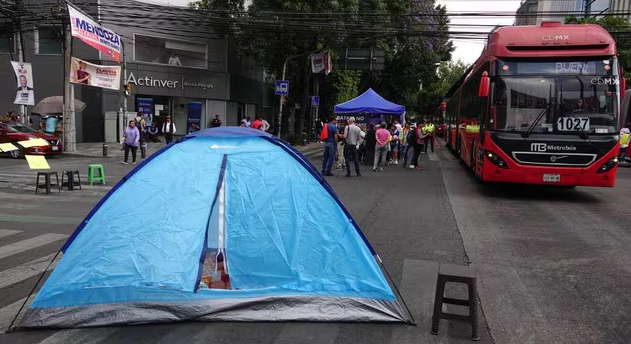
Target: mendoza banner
24	74
85	73
95	35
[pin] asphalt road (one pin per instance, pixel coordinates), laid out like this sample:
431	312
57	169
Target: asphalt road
553	265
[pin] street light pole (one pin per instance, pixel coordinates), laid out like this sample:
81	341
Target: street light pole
280	106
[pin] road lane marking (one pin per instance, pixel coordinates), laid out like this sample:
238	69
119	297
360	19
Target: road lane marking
7	232
27	270
41	219
29	244
8	313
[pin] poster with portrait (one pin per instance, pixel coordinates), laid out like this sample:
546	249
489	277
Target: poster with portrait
24	75
85	73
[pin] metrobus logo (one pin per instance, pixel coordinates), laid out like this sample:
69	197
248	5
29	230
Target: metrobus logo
555	37
544	147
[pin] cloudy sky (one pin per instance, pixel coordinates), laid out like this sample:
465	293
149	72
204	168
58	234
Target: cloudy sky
467	50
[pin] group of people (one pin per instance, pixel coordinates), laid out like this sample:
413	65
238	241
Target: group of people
259	123
376	145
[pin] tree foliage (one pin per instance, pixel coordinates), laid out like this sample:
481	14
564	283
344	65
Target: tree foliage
271	31
448	73
618	27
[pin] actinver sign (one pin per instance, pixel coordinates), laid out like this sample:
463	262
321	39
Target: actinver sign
544	147
151	82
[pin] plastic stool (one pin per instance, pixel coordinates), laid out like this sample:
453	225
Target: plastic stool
457	274
72	182
47	178
92	168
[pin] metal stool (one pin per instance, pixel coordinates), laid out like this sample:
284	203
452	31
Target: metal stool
457	274
71	183
47	178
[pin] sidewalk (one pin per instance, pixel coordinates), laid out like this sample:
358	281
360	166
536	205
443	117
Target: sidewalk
95	150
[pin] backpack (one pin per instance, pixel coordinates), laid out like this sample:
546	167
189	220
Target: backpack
324	134
412	138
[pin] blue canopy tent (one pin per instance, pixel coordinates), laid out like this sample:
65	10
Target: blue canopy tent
370	102
225	224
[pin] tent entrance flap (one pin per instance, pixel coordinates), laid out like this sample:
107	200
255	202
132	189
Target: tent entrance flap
213	263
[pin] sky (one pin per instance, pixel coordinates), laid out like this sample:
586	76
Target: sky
467	50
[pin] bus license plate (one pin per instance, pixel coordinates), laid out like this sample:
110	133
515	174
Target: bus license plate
552	178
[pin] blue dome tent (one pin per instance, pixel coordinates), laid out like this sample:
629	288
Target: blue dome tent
370	102
226	224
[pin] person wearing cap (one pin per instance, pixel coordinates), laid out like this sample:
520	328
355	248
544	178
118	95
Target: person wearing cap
168	129
352	137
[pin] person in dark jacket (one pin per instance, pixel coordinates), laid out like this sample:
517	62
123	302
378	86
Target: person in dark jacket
371	141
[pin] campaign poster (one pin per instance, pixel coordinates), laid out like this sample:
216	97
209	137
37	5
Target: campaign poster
24	75
95	35
85	73
145	107
194	111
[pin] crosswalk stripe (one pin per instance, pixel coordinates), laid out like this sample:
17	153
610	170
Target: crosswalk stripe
8	313
7	232
27	270
28	244
432	156
83	336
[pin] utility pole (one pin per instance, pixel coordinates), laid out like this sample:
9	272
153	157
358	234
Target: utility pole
588	8
70	137
18	24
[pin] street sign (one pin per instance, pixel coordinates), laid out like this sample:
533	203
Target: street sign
315	101
282	88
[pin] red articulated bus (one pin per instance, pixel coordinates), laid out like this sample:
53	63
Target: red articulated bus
540	106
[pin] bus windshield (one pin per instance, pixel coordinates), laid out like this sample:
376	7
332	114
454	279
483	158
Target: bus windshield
571	97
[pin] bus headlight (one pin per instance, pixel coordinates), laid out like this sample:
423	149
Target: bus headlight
495	159
608	165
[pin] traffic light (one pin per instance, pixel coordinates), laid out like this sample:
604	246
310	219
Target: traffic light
127	88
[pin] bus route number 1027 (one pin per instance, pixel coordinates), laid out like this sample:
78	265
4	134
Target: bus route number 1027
573	124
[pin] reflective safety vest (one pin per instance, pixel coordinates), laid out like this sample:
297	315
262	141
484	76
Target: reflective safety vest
472	129
624	140
430	128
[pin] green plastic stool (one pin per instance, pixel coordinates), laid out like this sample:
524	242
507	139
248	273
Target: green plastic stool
96	178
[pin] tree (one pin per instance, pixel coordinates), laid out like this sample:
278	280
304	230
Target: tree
448	73
618	27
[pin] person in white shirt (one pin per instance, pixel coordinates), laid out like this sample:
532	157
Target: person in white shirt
168	129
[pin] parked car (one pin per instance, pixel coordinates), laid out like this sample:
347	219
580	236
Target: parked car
14	132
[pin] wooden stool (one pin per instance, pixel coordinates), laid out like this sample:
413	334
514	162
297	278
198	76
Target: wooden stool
72	182
456	274
47	178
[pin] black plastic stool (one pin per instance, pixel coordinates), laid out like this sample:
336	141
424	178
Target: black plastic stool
71	180
47	177
457	274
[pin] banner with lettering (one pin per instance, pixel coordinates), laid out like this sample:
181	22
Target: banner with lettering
95	35
85	73
321	63
24	74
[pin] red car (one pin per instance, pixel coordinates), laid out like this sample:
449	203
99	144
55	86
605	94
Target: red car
14	132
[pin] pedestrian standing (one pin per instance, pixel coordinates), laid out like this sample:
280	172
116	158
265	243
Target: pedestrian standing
405	145
341	164
371	141
416	141
429	131
168	128
395	132
352	137
361	147
330	147
382	136
216	122
132	139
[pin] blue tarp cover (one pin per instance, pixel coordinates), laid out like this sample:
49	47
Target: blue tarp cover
369	102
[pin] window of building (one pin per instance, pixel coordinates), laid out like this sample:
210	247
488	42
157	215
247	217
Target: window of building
48	41
7	41
170	52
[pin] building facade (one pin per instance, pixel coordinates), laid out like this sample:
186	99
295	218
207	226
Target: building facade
176	62
533	12
621	6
